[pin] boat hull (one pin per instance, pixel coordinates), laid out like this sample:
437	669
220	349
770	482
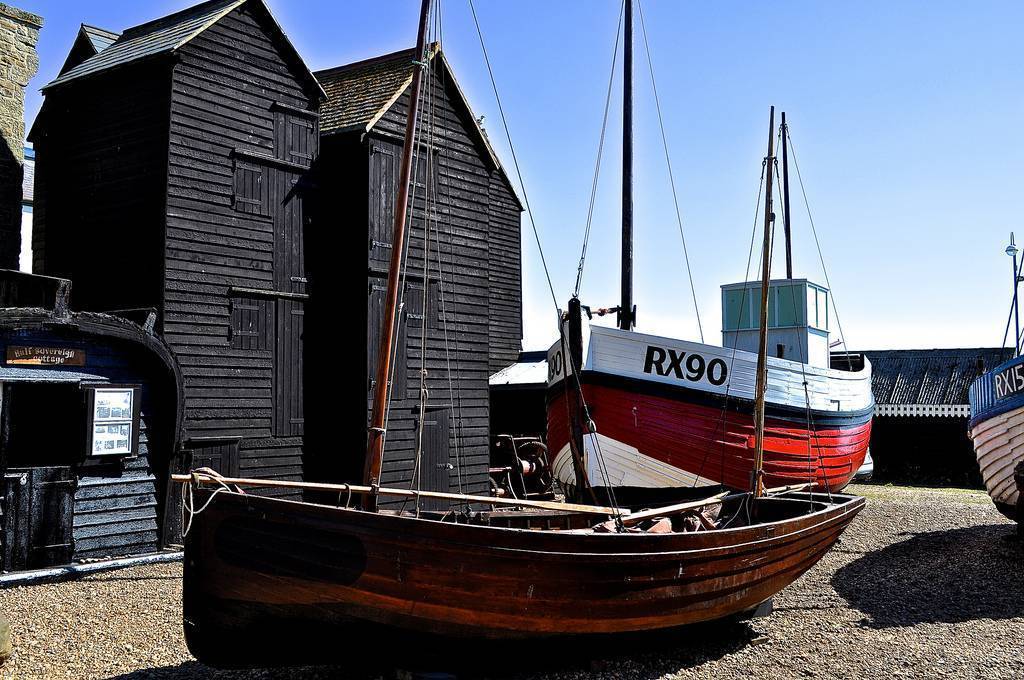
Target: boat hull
674	413
652	435
256	564
996	428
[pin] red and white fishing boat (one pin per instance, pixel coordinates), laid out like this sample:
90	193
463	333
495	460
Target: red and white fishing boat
675	413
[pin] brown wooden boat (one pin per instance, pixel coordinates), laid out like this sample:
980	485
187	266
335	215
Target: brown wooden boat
255	564
281	579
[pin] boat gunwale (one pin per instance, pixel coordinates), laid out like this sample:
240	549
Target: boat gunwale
830	514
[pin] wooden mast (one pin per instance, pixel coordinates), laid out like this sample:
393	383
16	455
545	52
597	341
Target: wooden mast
375	437
762	347
785	197
626	319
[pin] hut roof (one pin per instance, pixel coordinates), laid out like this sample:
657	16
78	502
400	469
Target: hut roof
916	378
161	36
99	38
360	93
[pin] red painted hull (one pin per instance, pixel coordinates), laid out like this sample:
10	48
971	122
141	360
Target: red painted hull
717	444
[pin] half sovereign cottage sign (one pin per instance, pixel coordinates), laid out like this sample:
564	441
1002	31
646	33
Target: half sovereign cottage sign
44	356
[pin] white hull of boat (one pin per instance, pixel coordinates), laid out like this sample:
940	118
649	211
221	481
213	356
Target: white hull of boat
999	446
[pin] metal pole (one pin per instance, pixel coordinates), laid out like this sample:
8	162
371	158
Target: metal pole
785	197
762	349
626	319
1016	307
375	438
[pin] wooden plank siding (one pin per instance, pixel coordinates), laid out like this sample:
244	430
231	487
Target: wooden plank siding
117	504
100	181
228	89
505	276
445	321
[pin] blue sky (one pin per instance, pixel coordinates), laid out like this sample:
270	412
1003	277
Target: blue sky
906	117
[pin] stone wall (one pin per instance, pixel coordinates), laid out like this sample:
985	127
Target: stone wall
19	32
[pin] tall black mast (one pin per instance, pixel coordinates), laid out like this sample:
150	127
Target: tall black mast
626	319
785	197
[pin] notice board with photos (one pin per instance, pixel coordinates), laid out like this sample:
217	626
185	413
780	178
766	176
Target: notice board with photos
113	414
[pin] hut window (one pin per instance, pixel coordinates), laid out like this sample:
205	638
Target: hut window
113	420
250	195
252	322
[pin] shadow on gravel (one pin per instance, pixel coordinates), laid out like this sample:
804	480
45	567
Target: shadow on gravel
938	577
193	670
641	656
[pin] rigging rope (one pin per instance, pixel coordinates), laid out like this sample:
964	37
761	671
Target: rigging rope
427	150
454	387
821	257
540	247
805	354
668	163
735	341
515	160
600	154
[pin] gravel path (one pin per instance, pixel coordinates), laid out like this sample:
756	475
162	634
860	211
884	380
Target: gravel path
924	584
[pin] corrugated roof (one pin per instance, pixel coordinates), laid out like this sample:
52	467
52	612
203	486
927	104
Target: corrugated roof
152	38
531	370
100	38
359	94
28	182
929	376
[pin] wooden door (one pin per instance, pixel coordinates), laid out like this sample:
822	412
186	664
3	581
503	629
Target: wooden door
435	463
376	294
296	144
218	454
383	181
289	412
38	521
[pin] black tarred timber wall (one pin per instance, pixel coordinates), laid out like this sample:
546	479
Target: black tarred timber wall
473	297
233	100
179	183
101	150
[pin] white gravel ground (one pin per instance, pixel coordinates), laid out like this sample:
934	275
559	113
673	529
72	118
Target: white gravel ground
924	584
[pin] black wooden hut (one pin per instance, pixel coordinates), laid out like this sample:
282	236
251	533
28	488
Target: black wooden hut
463	289
173	172
920	433
89	422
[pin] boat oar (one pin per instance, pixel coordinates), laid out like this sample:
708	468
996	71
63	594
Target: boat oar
667	510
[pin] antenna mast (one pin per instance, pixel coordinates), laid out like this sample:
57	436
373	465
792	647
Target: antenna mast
785	197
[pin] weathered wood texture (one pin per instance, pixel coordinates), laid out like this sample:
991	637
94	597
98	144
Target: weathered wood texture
255	564
99	186
461	301
108	507
234	221
179	183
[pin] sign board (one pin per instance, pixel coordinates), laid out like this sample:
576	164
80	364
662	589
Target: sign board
114	421
18	355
